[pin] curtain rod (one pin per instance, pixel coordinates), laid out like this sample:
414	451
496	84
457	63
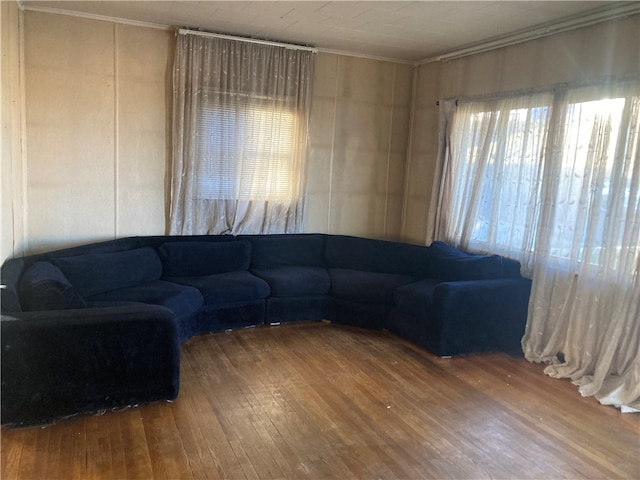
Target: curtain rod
290	46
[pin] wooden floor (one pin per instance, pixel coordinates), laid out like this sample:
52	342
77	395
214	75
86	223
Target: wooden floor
318	400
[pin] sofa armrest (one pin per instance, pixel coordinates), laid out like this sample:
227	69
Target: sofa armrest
57	363
478	316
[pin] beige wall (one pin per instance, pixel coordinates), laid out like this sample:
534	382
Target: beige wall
359	121
582	55
10	172
96	130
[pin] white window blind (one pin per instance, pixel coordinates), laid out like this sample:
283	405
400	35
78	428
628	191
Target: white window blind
246	148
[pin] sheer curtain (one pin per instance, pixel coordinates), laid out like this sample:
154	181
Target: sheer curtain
585	301
493	176
240	136
554	180
441	191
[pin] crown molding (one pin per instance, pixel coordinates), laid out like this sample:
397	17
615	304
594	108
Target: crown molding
368	57
92	16
587	19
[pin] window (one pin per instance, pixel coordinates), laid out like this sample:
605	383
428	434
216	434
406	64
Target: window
246	147
521	165
497	149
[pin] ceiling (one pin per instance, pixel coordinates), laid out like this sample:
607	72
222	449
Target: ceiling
409	31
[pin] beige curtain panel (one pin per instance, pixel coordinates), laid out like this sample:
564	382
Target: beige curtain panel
240	136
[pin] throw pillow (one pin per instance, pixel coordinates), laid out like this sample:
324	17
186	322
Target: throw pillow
95	273
44	287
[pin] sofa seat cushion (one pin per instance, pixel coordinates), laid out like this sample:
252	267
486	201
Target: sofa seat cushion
96	273
295	281
227	288
361	286
416	295
180	299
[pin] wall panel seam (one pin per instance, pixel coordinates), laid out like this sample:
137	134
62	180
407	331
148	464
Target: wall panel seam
409	153
333	143
23	161
116	153
389	142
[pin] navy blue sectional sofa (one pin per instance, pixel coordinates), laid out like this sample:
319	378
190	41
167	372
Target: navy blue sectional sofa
100	326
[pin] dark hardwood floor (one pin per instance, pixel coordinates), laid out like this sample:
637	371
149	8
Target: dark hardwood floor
318	400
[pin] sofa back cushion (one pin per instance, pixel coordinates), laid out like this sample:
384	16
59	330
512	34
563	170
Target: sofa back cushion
96	273
195	259
511	267
370	255
286	250
44	287
156	241
450	264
